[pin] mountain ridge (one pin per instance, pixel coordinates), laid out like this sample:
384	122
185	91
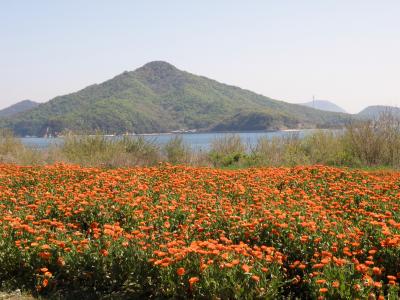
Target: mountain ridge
158	97
374	111
324	105
18	107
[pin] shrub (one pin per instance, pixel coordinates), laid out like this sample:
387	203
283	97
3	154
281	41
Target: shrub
227	151
280	151
176	151
13	151
98	150
374	142
141	151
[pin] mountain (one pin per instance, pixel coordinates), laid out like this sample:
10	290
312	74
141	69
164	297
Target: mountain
375	111
160	98
324	105
19	107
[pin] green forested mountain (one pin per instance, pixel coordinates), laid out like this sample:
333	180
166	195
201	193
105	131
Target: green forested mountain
19	107
160	98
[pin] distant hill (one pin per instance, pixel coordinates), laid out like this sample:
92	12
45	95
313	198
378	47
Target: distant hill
19	107
160	98
376	110
324	105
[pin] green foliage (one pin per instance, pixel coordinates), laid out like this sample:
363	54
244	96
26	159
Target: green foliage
160	98
227	151
98	150
176	151
19	107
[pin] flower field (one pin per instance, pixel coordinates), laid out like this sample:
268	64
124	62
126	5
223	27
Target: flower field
183	232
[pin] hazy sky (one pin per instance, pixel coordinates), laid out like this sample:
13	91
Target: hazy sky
345	51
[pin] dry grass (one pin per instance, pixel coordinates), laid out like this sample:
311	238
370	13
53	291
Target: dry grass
361	144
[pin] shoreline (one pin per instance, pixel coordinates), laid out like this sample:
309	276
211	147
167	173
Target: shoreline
179	133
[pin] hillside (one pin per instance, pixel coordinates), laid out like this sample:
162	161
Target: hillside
19	107
375	111
160	98
324	105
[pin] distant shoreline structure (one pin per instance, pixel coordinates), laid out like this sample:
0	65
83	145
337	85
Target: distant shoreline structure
175	132
194	140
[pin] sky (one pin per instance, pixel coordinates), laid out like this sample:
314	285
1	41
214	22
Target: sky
344	51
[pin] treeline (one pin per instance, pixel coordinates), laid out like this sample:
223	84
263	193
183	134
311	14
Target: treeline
373	143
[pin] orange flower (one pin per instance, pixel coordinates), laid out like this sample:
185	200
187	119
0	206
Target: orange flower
45	255
246	268
318	266
167	214
192	281
301	266
391	277
376	271
61	262
180	271
45	282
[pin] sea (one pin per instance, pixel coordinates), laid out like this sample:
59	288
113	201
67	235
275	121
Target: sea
199	141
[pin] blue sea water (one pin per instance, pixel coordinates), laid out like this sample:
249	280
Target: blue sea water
194	140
